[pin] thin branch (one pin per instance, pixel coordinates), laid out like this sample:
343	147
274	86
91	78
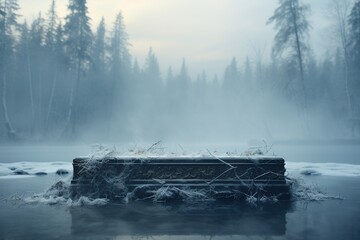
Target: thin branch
220	159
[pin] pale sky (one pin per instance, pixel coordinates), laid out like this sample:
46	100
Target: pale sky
207	33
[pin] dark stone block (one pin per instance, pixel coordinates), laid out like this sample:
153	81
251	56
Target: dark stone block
219	178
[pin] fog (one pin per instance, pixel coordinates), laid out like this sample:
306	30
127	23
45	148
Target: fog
67	75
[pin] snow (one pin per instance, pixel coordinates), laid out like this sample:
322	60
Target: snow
31	169
59	193
157	151
325	169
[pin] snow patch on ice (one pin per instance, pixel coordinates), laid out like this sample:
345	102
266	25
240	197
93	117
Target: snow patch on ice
85	201
16	176
325	169
30	169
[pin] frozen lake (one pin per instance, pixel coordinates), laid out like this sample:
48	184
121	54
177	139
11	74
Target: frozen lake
329	219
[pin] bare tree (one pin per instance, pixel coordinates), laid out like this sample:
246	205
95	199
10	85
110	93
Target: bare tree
292	27
338	12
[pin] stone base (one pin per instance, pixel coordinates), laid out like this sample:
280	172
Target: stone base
144	177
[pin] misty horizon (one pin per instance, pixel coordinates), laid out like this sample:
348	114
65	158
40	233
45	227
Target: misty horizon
60	83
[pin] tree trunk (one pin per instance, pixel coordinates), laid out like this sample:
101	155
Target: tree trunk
70	126
347	88
111	108
263	100
51	100
32	108
11	134
75	98
301	67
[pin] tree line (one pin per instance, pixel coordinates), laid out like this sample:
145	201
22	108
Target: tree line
60	80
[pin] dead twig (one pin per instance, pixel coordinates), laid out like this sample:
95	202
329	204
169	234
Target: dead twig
231	166
154	146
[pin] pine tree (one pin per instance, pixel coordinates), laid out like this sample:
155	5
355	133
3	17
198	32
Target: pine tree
51	45
22	77
136	74
152	71
231	77
37	31
136	68
57	59
151	83
78	40
59	44
99	49
248	74
169	76
183	88
51	24
8	24
24	60
36	70
118	46
119	64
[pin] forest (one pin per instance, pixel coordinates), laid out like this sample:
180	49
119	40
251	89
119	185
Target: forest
62	81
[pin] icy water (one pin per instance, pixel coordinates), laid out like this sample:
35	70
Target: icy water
328	219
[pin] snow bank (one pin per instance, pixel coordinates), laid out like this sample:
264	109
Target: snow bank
30	169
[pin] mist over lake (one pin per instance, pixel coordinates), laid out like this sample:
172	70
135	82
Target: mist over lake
179	119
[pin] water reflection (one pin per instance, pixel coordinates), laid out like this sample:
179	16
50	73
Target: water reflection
174	220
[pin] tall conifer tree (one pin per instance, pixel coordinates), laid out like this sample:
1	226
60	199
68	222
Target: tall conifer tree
78	40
